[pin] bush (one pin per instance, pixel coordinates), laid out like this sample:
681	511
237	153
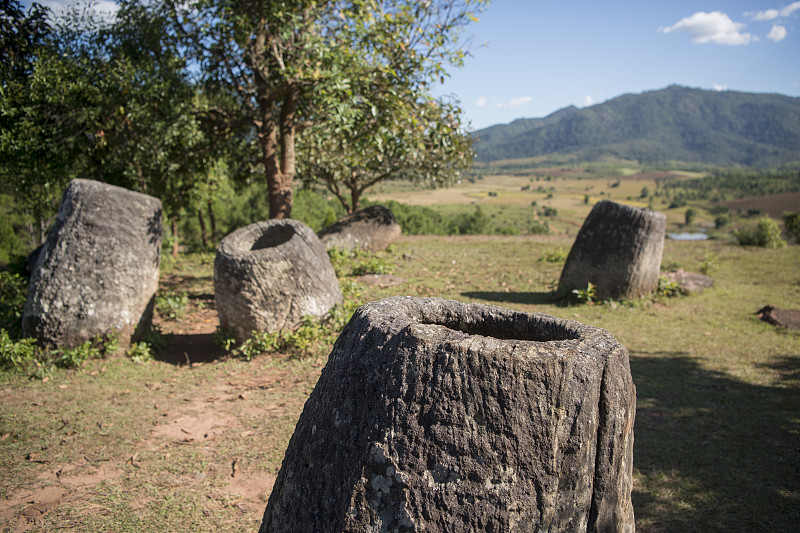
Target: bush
668	288
172	305
792	222
13	292
765	232
554	255
539	229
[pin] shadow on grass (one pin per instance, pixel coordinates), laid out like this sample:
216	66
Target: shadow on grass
714	453
527	298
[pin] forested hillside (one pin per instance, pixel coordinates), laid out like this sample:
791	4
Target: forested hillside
673	124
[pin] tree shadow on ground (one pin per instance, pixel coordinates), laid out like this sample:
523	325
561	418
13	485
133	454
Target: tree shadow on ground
525	298
714	453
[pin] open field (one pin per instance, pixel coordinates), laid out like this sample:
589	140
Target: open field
194	439
518	200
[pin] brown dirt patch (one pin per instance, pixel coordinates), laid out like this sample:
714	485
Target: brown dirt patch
774	204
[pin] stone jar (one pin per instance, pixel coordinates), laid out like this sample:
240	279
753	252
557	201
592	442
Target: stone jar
269	275
439	416
97	272
618	249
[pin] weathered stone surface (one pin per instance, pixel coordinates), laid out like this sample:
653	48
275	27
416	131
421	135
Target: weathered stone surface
690	281
98	270
783	318
438	416
268	275
372	228
618	249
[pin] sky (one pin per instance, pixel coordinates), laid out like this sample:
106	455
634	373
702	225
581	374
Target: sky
529	59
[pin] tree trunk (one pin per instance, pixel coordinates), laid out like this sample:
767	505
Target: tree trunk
202	222
355	201
174	220
280	203
212	220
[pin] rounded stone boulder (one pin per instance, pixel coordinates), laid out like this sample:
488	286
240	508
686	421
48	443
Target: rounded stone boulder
373	229
439	416
618	250
97	272
269	275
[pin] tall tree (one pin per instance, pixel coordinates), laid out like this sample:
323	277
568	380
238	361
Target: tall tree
291	63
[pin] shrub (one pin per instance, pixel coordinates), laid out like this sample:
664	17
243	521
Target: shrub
539	229
710	264
667	287
554	255
372	265
13	292
792	222
765	232
172	305
587	295
720	222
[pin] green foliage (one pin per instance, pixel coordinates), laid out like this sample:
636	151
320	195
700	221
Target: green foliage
172	305
312	209
689	216
357	262
765	233
539	229
668	288
372	265
554	255
720	222
16	354
417	220
710	264
586	296
736	183
140	352
25	355
13	292
476	223
792	223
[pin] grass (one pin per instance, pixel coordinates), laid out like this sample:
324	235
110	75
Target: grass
152	446
192	440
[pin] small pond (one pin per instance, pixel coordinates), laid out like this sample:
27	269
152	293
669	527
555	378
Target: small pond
688	236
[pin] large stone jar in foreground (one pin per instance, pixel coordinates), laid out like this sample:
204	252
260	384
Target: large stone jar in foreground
618	250
97	273
269	275
438	416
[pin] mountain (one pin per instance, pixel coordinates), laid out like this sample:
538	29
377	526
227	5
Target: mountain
672	124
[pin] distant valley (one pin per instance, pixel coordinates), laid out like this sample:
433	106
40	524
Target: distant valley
676	124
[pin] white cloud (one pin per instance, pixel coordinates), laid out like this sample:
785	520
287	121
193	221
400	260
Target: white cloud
588	101
514	103
481	102
772	14
777	33
715	27
720	87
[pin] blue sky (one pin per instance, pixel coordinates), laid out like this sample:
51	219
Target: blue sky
531	58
